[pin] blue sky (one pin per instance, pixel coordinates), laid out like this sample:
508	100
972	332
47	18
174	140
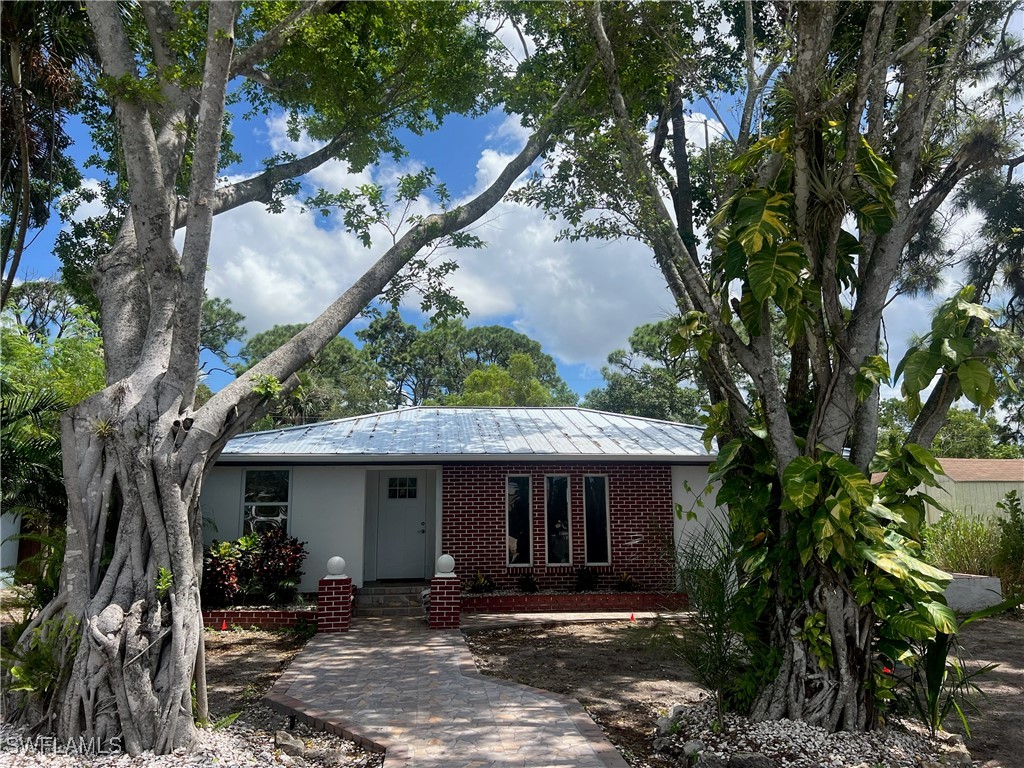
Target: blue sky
579	300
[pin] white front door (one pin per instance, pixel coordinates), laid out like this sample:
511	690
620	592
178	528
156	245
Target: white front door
401	524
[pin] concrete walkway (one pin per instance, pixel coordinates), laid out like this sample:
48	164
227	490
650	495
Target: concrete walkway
394	685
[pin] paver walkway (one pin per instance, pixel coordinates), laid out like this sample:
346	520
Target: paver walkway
394	684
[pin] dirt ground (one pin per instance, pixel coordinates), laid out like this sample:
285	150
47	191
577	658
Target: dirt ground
242	665
618	671
997	730
626	679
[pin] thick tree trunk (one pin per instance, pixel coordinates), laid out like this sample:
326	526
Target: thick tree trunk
831	692
133	656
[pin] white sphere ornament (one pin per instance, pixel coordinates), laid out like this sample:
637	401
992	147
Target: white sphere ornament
445	564
336	566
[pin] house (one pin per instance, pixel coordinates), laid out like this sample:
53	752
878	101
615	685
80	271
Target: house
975	486
505	491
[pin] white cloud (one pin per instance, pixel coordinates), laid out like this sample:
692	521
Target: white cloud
580	300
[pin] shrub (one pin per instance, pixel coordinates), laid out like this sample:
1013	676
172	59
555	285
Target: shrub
707	567
35	667
220	575
587	579
626	583
527	584
275	568
480	584
1009	560
962	543
256	568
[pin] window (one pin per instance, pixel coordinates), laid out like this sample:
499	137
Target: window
517	520
595	518
557	519
266	500
401	487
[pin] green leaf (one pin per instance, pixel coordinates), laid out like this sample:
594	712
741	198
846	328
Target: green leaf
924	458
761	219
919	368
800	481
872	168
773	270
853	481
823	526
977	383
728	454
911	624
940	615
874	371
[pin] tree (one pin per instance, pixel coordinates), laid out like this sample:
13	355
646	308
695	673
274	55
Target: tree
351	76
61	355
341	381
965	435
433	365
849	112
650	392
220	327
43	43
647	380
494	385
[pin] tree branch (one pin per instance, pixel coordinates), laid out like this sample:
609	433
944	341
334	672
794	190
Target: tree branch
184	353
245	63
224	415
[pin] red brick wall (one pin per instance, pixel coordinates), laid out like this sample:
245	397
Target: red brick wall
640	519
264	619
589	601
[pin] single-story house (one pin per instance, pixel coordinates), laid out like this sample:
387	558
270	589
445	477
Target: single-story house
505	491
975	486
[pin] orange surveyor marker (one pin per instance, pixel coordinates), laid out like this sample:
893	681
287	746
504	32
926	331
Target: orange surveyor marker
632	617
223	625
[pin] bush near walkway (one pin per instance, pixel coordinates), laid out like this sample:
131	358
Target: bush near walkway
258	568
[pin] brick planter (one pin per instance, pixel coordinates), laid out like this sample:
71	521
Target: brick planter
561	603
259	618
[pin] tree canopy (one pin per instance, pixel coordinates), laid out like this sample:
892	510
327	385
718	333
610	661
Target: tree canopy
352	77
816	206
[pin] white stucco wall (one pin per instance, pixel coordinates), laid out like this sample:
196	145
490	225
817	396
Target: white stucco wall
688	485
327	512
221	504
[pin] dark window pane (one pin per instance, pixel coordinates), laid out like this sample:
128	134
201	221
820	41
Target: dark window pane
558	519
266	485
401	487
518	538
595	513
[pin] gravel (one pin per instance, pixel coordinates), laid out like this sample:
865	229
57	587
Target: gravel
793	744
248	742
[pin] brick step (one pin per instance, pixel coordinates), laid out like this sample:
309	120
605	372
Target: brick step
361	611
393	589
388	601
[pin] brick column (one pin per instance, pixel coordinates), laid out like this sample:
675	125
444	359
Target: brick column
445	596
334	604
334	598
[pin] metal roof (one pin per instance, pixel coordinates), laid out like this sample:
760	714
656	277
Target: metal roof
425	433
